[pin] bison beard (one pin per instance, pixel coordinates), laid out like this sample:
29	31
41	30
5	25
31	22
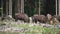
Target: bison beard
22	17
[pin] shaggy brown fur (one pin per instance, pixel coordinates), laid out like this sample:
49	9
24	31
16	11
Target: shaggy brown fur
57	17
40	18
48	18
21	16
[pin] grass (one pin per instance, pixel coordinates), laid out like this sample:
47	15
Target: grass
9	32
32	30
38	29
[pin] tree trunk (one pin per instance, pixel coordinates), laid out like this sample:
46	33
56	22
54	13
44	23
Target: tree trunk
18	6
22	6
56	7
39	7
2	8
6	7
10	7
59	6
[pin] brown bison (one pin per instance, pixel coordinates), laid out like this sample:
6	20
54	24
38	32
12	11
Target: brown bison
48	18
40	18
57	17
8	17
52	19
21	16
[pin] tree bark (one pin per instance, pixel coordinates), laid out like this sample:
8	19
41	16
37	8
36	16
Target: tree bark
10	7
59	6
6	7
39	7
2	8
22	6
56	7
18	6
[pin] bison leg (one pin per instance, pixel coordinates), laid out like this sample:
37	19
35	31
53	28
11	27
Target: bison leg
16	19
34	20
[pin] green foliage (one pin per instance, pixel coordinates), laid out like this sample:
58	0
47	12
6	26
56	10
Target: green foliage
9	32
32	29
38	29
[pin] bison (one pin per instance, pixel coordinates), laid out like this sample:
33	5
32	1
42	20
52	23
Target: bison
48	18
8	17
21	16
40	18
52	19
57	17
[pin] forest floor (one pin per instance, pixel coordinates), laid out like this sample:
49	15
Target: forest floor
19	27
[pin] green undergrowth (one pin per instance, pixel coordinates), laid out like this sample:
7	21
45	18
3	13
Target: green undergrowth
8	32
31	29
